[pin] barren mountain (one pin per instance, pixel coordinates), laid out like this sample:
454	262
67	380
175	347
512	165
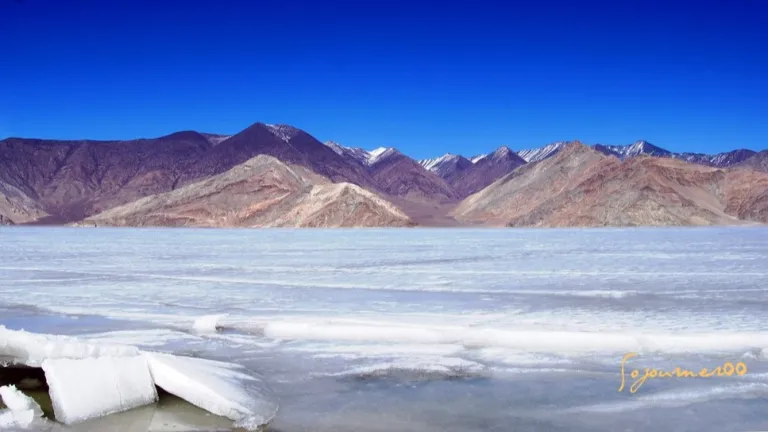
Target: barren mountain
261	192
583	187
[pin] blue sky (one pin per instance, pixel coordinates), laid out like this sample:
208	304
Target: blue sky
427	78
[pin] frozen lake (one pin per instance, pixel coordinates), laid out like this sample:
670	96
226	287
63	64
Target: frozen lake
425	329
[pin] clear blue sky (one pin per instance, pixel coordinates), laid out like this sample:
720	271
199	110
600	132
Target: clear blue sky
427	78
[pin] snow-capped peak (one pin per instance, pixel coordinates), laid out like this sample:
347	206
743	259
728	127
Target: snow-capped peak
284	132
380	154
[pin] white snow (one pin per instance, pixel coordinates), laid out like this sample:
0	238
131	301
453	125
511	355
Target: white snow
22	410
541	153
434	164
478	158
94	387
220	388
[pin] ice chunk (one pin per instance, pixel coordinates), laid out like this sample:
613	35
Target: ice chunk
16	419
18	346
207	324
225	389
22	410
93	387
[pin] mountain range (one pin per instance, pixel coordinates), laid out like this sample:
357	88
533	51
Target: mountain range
278	175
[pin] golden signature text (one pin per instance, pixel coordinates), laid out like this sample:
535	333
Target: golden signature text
640	378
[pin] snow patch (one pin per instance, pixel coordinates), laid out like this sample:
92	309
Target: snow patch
434	164
355	153
284	132
94	387
478	158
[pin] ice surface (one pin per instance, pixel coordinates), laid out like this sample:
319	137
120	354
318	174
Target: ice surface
31	349
22	411
220	388
94	387
542	317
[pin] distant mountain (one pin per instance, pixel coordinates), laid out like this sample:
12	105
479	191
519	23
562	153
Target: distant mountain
720	160
261	192
398	175
627	151
581	186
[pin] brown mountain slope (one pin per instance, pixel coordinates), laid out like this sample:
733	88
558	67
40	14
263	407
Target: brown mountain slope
398	175
16	207
582	187
262	192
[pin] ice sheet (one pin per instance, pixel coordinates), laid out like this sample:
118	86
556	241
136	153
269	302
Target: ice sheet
32	349
220	388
